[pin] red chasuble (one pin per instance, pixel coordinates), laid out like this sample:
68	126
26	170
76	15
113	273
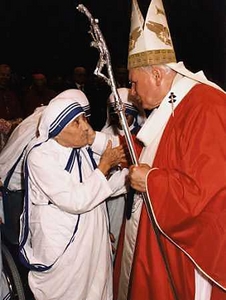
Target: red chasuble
188	197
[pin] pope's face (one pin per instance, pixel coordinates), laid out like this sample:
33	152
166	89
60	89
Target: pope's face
145	88
75	134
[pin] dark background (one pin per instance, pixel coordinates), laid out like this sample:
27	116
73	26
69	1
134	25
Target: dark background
52	35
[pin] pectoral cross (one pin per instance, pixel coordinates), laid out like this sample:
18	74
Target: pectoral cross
172	100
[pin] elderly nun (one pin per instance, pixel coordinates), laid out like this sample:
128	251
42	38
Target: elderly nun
64	238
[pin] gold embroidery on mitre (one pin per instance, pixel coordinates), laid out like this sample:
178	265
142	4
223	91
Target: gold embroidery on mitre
134	37
159	11
161	31
151	57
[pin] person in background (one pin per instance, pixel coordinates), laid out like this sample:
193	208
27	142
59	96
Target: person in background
98	93
57	82
11	113
64	225
121	76
174	242
10	116
5	129
135	118
38	94
79	79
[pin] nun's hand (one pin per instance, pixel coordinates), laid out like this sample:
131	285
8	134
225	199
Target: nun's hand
111	157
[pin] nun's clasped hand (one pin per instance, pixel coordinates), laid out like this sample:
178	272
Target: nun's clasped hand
111	157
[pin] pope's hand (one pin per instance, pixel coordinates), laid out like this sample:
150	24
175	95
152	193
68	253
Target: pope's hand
137	176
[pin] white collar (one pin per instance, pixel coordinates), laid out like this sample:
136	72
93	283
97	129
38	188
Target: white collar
156	122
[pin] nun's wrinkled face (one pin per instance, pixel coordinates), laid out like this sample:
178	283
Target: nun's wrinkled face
75	134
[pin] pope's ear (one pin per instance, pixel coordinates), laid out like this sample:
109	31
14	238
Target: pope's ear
157	74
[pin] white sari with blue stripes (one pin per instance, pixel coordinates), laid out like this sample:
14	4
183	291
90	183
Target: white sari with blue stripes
64	237
68	224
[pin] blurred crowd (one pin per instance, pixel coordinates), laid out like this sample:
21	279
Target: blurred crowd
21	95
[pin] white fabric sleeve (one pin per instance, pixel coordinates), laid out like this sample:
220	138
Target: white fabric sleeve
101	140
117	182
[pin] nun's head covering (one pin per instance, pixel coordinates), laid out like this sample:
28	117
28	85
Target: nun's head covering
60	111
130	109
77	94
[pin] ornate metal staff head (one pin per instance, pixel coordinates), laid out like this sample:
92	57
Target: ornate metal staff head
99	43
105	61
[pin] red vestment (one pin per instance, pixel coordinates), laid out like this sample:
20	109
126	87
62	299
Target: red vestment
188	197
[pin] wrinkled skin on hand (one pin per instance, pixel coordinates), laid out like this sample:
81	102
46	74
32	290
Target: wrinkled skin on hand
137	176
111	157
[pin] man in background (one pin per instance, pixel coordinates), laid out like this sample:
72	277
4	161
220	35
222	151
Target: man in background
38	94
11	112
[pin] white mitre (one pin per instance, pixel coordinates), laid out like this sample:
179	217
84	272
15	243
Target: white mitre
150	41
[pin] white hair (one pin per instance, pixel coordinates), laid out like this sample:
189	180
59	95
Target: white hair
148	69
